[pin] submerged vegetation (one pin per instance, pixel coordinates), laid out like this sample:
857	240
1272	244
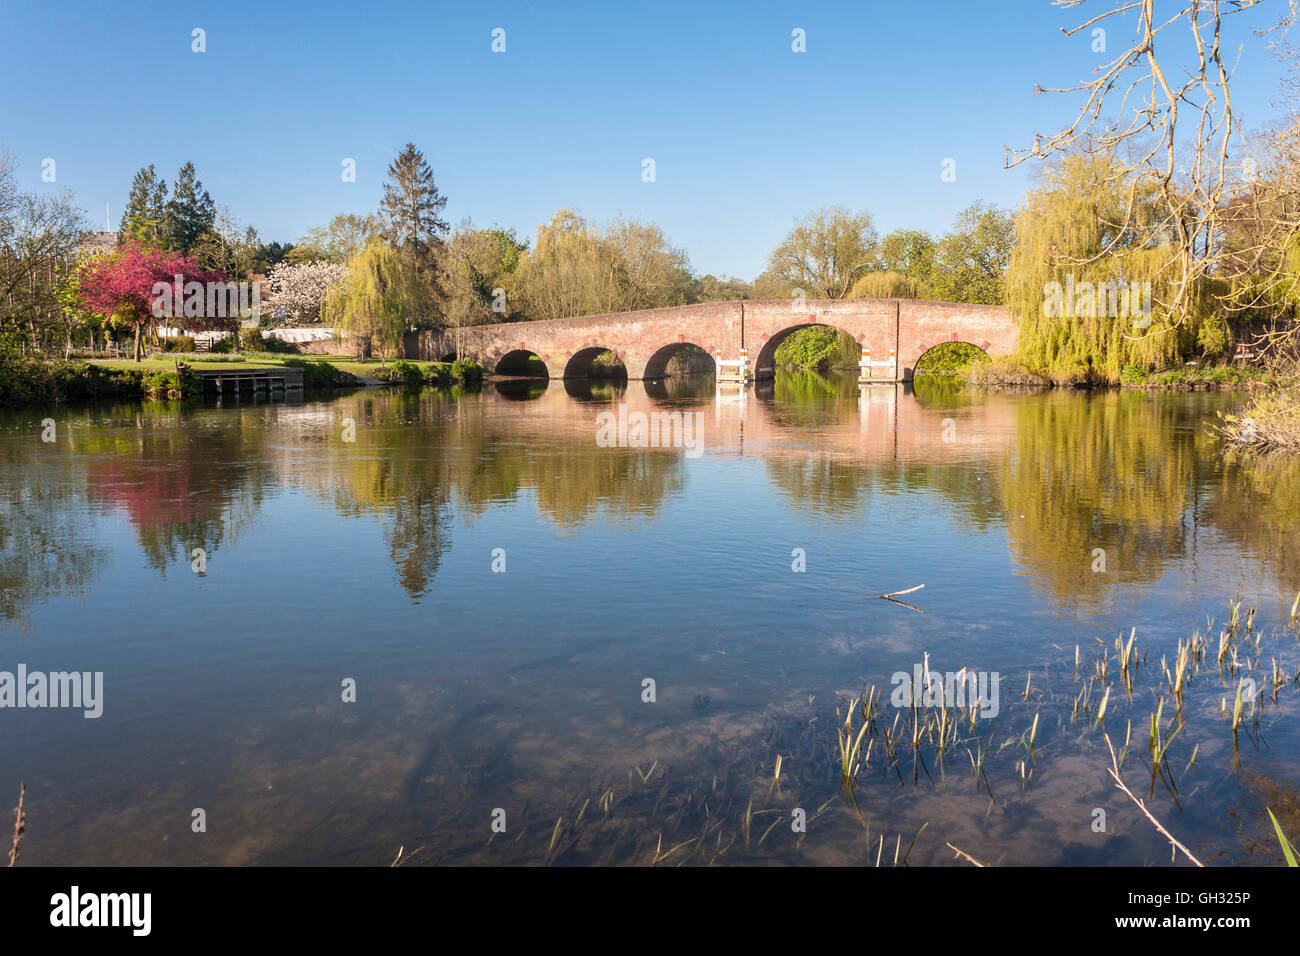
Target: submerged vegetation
1137	732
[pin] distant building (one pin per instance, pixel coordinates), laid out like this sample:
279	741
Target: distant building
93	243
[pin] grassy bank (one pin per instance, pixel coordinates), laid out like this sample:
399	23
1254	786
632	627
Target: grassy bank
421	374
33	382
25	381
1010	371
1193	377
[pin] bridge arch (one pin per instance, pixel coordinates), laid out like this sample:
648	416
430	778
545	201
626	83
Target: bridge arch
523	363
580	364
764	362
657	365
934	352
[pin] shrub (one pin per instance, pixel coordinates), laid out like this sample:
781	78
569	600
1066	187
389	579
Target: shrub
1268	422
1003	370
275	346
169	384
467	370
321	374
177	343
30	381
250	340
405	373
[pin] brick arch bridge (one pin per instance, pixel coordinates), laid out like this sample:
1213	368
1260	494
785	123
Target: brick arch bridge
644	341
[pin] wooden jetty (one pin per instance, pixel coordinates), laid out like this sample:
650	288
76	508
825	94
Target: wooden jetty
236	380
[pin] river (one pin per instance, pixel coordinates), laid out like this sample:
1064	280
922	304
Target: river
486	627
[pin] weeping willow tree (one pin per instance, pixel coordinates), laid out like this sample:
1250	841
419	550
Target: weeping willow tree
890	285
380	298
1090	273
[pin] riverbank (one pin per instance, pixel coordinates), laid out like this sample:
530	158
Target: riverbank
1006	371
26	381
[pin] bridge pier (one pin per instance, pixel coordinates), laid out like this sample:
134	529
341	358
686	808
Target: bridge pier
732	370
878	373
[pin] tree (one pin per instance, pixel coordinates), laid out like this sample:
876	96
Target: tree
1190	168
1084	237
652	273
380	298
711	288
826	252
145	216
228	246
39	235
889	285
568	272
345	236
411	209
478	264
578	268
123	285
272	253
909	252
298	290
970	262
190	211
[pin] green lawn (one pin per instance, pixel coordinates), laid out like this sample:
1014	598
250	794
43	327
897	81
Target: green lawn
165	361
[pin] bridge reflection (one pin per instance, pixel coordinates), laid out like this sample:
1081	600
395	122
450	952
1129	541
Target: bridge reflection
829	416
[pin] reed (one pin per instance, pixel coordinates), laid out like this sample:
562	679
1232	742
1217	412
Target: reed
1288	848
1125	658
1237	710
1101	708
20	825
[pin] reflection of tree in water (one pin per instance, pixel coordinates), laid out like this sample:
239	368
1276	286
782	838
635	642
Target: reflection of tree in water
809	399
396	466
1256	503
945	391
574	486
830	487
691	389
47	544
416	539
1114	471
185	479
414	456
1135	475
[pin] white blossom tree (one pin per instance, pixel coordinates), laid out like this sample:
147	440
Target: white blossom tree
298	290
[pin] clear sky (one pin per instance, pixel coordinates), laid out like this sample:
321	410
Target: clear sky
746	134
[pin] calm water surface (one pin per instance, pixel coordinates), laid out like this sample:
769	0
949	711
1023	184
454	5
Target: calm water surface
522	690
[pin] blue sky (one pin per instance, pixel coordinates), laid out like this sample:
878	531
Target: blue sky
746	134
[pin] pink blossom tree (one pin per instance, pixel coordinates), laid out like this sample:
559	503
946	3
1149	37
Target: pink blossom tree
128	284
